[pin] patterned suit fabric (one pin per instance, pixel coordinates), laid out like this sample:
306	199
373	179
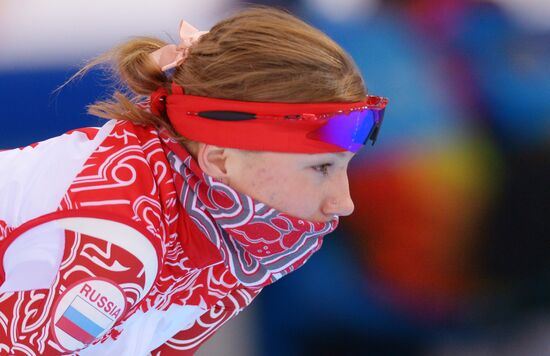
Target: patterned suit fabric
149	254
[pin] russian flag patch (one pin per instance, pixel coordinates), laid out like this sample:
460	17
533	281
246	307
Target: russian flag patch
86	311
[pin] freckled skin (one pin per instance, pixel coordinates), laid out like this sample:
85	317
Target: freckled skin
293	183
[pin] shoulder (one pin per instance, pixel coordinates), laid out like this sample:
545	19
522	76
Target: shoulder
33	179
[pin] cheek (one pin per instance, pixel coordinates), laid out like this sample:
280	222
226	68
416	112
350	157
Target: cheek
269	187
289	194
264	184
292	192
257	182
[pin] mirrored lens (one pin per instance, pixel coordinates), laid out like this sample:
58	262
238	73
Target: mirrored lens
351	130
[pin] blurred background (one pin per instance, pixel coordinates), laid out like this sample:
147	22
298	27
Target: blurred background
447	252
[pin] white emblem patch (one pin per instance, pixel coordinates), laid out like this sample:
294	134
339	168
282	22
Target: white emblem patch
86	311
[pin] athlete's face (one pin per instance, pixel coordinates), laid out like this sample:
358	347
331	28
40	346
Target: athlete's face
308	186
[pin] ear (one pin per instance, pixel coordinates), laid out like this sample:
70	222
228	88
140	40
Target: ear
212	160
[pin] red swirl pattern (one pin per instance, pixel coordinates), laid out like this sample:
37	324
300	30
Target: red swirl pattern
25	316
127	177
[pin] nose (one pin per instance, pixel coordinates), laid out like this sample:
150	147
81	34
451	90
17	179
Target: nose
338	201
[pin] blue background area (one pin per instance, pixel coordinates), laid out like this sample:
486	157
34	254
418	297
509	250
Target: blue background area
32	112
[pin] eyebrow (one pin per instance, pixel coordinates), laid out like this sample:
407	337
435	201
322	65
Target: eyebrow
337	154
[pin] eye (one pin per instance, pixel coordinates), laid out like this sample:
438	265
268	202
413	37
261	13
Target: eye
323	168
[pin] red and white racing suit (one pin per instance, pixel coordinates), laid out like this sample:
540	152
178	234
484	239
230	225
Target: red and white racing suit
98	257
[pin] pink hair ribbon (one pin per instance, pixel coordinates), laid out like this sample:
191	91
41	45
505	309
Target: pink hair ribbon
170	56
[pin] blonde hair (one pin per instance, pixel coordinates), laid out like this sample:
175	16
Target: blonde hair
259	54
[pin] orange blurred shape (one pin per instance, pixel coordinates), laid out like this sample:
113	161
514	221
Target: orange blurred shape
416	219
